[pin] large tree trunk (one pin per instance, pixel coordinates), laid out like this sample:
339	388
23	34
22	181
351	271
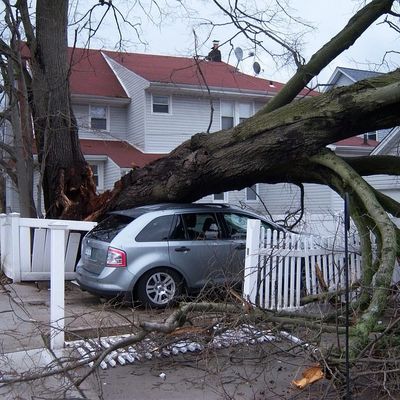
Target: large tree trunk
67	178
265	148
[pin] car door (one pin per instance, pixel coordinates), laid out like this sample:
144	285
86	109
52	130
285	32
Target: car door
236	227
198	248
235	224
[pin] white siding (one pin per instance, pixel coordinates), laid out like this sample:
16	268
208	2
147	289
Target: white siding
118	122
258	106
318	199
382	134
280	198
285	198
189	115
134	85
384	182
343	81
112	173
395	150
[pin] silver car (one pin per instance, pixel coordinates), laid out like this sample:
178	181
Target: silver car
156	253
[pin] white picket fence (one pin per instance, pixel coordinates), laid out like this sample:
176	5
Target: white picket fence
280	267
25	246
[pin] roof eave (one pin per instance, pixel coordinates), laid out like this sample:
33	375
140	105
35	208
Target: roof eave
215	90
360	150
87	98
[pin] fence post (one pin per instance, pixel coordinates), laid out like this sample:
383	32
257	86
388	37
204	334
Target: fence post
251	260
57	284
15	263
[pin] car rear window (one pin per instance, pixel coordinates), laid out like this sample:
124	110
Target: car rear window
157	230
107	229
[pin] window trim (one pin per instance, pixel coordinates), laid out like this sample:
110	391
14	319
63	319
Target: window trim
107	118
169	104
257	199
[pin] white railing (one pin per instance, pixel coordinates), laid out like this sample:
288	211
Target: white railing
281	267
37	249
25	246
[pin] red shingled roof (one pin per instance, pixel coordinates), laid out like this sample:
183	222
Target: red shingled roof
122	153
181	70
91	75
357	141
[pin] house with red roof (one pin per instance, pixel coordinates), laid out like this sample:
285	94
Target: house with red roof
134	108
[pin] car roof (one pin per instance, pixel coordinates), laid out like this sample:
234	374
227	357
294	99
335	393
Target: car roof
187	207
136	211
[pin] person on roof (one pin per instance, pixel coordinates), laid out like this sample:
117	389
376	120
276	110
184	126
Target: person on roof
214	54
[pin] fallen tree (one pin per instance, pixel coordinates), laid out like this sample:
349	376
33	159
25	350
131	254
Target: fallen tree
285	142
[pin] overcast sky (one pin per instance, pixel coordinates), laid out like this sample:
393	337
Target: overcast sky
173	35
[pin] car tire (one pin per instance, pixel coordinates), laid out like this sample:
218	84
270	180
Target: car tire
159	288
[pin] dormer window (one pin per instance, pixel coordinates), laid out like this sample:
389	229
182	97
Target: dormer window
98	118
161	104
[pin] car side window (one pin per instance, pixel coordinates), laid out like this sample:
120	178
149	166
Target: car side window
196	226
178	231
237	225
157	230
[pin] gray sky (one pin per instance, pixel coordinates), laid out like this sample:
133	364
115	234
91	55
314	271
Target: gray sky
172	35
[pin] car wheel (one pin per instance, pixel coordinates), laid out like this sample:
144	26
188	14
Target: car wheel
159	288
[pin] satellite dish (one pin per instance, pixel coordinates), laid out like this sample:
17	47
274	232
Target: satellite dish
239	53
256	68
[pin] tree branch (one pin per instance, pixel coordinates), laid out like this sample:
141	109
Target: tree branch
339	43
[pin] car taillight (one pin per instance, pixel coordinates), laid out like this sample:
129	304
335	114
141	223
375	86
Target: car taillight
116	258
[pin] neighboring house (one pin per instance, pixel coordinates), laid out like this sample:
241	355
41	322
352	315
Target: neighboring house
347	76
285	198
390	145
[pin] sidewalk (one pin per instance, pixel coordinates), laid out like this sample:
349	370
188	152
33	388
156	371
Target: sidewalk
24	327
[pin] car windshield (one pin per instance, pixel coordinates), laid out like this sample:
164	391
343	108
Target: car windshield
107	229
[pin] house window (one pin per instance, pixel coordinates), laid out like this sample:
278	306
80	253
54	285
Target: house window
98	174
233	113
219	197
98	117
252	193
227	114
245	111
161	104
372	135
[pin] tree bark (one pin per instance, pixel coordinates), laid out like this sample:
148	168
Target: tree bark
67	177
382	277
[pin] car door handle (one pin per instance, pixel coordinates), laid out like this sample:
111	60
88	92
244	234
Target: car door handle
240	247
182	249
